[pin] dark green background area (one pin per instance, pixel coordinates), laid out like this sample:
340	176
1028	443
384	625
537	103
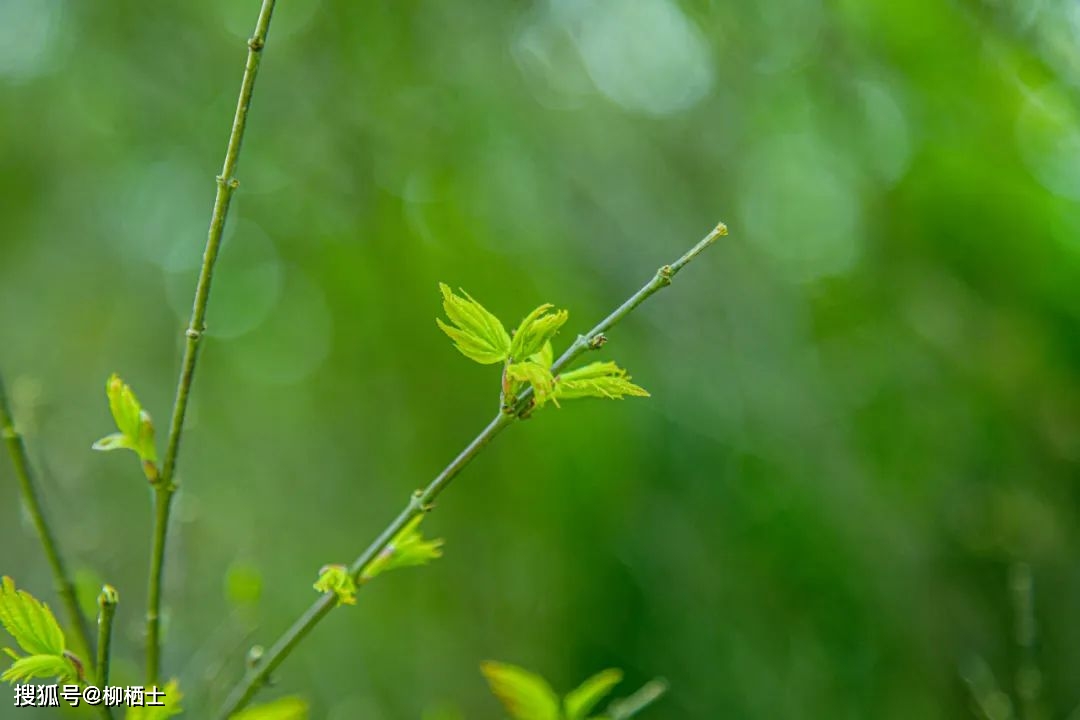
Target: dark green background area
865	411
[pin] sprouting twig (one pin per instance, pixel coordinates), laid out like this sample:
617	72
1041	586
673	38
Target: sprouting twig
421	500
165	486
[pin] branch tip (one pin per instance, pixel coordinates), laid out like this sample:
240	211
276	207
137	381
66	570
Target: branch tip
108	597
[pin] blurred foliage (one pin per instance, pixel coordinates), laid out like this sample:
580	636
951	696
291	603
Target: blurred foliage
865	401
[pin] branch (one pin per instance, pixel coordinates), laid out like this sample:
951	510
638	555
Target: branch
421	500
165	486
65	588
595	338
107	601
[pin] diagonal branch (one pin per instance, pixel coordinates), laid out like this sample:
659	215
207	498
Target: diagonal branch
165	486
64	585
421	500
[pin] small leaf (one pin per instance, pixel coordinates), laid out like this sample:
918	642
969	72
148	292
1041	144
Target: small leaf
545	356
408	548
135	424
29	621
116	441
536	375
171	697
40	666
124	406
599	369
598	379
584	698
537	328
525	695
477	333
338	580
286	708
144	444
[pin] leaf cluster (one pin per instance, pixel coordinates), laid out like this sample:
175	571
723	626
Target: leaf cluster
527	355
338	580
33	626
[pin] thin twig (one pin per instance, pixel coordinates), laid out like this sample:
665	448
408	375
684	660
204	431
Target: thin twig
646	695
596	337
165	486
421	500
65	588
107	600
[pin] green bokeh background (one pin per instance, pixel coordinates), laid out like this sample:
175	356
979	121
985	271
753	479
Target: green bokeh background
865	411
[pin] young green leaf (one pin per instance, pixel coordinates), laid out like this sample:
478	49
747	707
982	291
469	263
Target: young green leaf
338	580
124	405
545	356
41	666
598	379
171	697
135	425
476	333
581	700
534	374
116	441
537	328
29	621
525	695
408	548
286	708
